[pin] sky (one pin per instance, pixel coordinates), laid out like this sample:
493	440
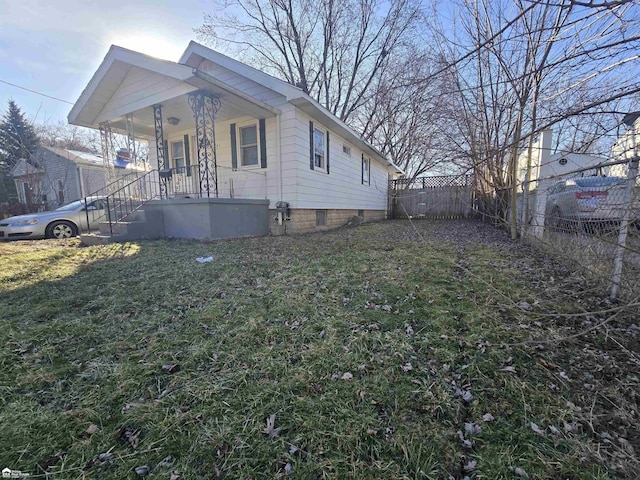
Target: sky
55	46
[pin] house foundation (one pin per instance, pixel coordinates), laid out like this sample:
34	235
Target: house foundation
304	220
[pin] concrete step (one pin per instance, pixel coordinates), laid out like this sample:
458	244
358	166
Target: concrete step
91	239
140	225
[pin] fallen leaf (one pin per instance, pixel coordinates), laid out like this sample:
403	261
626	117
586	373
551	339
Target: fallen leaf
270	428
467	396
519	472
547	364
472	428
174	476
407	367
470	466
409	330
537	429
509	369
487	417
91	429
142	470
165	462
371	431
346	376
171	367
570	427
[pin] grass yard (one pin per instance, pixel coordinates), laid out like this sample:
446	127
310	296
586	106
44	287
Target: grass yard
373	352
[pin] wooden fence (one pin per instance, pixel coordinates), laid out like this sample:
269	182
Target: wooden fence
432	197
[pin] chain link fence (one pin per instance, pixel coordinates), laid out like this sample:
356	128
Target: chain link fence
590	218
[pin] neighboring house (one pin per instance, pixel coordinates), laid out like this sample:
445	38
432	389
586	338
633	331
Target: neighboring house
627	144
55	176
547	168
224	135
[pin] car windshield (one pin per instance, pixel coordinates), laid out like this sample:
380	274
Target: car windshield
71	206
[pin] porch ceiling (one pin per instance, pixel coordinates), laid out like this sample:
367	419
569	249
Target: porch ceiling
230	108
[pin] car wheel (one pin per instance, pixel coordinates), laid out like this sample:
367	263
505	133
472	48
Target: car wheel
61	229
555	220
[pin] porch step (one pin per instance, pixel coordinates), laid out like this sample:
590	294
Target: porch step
138	226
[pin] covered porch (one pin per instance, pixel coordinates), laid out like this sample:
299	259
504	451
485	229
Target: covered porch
206	139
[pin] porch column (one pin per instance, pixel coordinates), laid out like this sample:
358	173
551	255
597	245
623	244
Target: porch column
106	144
131	140
205	106
160	154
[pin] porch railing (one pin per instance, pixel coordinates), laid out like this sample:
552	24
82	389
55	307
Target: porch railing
122	198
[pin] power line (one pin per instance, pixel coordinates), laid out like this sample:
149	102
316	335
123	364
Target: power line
37	93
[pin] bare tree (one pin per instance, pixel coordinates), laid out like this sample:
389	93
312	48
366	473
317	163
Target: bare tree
346	55
530	65
63	135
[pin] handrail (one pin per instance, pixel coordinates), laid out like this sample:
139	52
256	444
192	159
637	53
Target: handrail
128	198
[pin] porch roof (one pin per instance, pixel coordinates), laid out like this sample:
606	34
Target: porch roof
111	93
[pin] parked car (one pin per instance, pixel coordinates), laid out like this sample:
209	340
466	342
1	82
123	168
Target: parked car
64	222
587	202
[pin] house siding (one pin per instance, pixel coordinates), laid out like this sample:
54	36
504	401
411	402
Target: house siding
341	188
139	89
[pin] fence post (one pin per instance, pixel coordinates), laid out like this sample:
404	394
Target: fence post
624	224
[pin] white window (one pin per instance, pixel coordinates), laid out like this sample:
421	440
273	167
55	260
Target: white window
248	145
366	164
177	155
318	149
346	149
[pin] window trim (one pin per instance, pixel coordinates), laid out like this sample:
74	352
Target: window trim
321	213
366	161
346	150
239	146
183	167
323	167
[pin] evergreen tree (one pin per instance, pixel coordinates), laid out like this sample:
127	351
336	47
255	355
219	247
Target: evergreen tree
18	140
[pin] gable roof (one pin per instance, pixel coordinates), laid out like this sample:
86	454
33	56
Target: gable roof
23	167
110	74
119	61
195	53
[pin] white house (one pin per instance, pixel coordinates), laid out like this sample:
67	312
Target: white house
626	145
547	168
228	138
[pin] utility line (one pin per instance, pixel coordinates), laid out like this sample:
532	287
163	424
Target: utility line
34	91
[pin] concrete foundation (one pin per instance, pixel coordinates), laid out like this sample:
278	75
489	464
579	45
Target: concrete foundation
212	218
304	219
